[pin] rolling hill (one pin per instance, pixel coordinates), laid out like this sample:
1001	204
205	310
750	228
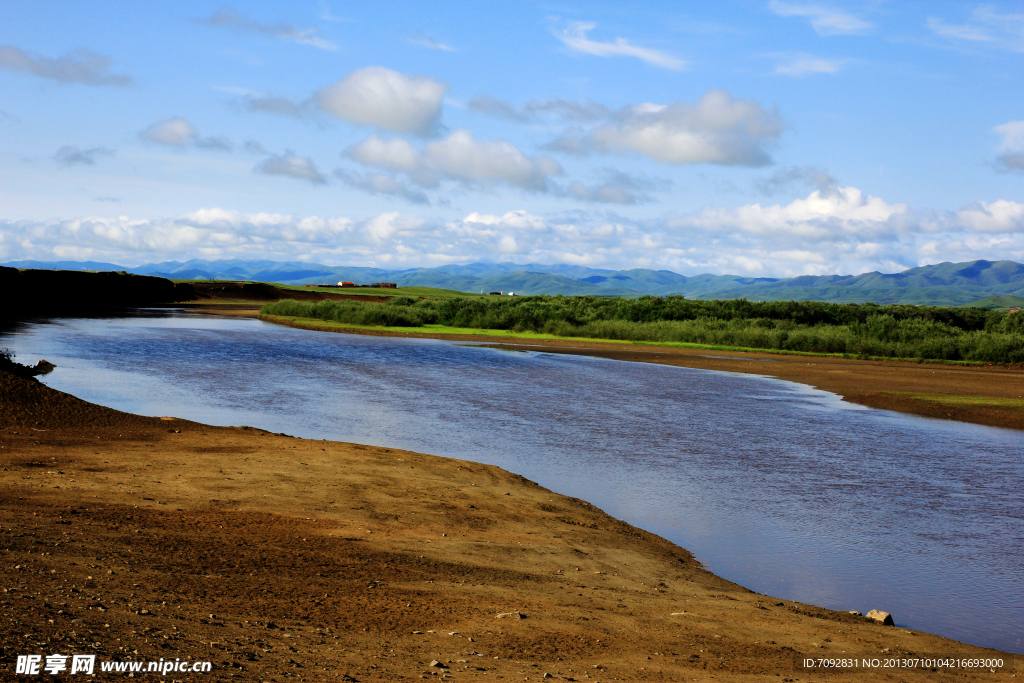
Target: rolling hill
944	284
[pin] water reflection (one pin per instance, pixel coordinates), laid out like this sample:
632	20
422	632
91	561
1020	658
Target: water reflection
779	487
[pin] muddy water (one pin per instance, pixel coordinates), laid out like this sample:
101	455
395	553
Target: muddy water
783	489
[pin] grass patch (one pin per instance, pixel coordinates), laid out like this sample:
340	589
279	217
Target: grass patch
961	401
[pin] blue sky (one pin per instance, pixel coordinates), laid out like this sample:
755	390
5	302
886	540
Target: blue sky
769	138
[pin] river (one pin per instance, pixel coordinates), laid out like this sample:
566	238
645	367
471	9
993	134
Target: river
774	485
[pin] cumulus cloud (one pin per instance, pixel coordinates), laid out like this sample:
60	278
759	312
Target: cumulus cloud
826	20
385	99
228	18
575	38
69	155
207	233
1011	149
846	231
381	183
514	232
717	129
391	226
291	165
986	27
78	66
178	132
802	65
1001	216
458	157
821	216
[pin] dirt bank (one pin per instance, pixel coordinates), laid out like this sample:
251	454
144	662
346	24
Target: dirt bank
278	559
989	395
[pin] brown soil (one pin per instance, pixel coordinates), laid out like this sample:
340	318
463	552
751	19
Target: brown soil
280	558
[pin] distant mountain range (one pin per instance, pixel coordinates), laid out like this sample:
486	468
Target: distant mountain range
944	284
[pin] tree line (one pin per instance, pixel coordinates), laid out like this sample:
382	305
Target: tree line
895	331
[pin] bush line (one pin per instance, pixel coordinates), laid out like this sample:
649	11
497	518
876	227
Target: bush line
895	331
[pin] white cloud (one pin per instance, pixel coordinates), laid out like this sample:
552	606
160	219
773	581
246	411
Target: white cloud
69	155
228	18
389	226
291	165
717	129
826	20
575	38
78	66
986	27
385	99
1001	216
458	157
428	42
462	157
845	231
178	132
1011	149
802	65
175	131
517	220
207	233
823	216
395	154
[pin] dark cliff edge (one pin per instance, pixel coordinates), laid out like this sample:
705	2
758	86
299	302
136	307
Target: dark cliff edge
46	292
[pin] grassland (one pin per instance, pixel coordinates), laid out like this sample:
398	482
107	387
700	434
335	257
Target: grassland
998	303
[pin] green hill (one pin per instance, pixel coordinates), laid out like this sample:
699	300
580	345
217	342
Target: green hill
943	284
997	303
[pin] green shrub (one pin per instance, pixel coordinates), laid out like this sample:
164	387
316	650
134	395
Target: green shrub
958	334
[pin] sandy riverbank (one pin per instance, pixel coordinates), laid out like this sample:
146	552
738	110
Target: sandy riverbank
280	558
989	395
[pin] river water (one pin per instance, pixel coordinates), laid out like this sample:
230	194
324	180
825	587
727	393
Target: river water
781	488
